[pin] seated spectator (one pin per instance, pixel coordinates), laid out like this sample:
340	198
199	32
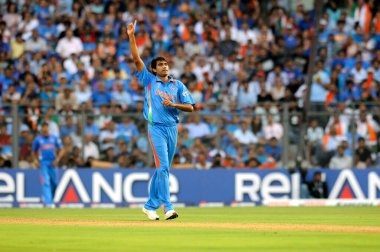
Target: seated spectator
101	96
277	76
107	47
36	43
121	146
341	160
83	93
232	148
53	123
363	157
368	129
341	126
184	159
107	137
273	129
319	86
67	97
245	135
12	96
217	161
264	160
69	128
127	129
252	163
28	24
330	143
247	95
90	149
278	90
265	110
69	45
103	117
110	155
257	126
184	138
317	187
76	160
273	149
197	128
17	46
91	128
359	73
202	162
121	97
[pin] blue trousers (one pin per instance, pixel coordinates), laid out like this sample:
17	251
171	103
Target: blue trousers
163	141
49	178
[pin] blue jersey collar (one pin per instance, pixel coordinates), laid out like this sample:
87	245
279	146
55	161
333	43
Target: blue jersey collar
171	79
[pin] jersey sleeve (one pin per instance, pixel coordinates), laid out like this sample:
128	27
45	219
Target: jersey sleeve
35	145
58	143
145	77
184	95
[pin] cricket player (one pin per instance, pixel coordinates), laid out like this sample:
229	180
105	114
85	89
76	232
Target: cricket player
164	98
48	151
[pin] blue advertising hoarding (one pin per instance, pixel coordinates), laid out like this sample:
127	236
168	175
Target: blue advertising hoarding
190	187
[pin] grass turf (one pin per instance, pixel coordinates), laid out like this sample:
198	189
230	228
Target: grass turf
43	237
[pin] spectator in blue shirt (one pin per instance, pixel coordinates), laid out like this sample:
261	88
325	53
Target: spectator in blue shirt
101	96
91	128
6	79
69	128
273	149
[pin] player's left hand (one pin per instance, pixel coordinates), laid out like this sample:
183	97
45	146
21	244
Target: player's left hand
55	163
167	103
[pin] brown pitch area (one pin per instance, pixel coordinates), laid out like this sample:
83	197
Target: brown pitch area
178	224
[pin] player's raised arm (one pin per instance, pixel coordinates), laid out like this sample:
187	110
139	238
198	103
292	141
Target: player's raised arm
132	43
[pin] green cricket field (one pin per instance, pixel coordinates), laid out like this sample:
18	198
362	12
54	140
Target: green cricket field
196	229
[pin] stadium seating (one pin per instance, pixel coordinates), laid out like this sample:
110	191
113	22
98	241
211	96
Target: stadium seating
69	64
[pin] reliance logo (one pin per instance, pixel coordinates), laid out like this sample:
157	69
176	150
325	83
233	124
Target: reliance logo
72	190
347	186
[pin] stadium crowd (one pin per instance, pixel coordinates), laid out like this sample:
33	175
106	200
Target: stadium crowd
243	59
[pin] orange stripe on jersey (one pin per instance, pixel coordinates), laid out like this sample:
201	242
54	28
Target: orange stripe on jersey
156	160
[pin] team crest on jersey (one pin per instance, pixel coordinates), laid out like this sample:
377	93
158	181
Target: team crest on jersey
173	88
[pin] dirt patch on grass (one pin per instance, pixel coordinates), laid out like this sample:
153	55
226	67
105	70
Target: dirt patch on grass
211	225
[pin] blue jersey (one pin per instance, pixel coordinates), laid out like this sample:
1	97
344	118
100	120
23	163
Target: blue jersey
157	91
46	147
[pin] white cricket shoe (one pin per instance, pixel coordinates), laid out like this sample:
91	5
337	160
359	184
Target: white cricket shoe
171	214
152	215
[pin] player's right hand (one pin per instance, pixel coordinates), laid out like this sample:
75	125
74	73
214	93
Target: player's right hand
131	28
198	107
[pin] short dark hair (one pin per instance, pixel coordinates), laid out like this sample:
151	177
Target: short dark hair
153	63
317	173
45	124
